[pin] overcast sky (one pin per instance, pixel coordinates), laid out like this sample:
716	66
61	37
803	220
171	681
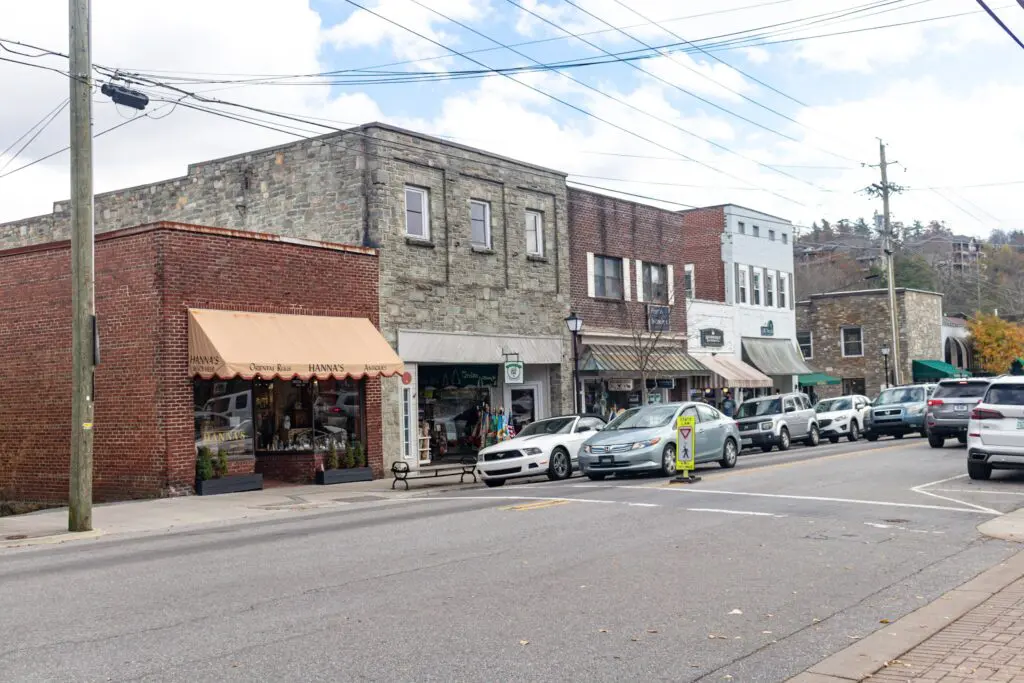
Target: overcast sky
781	121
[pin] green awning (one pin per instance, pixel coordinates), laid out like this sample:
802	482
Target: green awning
924	370
818	379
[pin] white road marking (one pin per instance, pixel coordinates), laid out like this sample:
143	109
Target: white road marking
558	498
734	512
984	491
980	508
883	503
902	528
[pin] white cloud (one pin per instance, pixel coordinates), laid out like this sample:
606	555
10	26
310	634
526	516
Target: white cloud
700	76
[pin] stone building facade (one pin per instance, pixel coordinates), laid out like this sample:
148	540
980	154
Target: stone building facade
842	334
444	301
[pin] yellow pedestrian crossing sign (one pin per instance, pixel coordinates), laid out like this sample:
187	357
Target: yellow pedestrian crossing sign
686	428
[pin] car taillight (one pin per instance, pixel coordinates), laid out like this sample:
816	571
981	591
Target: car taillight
335	410
986	414
935	402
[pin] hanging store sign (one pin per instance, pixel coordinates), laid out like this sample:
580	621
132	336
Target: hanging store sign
513	372
658	318
768	329
458	376
661	383
712	337
620	385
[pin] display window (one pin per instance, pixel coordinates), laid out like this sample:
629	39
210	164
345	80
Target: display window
223	411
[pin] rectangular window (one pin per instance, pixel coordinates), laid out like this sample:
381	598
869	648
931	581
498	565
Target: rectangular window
769	289
417	213
480	220
741	228
806	342
407	445
785	238
655	283
852	341
771	235
688	285
757	231
783	281
741	284
755	286
608	277
535	233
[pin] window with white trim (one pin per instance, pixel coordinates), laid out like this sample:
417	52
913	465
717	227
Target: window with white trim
408	447
655	280
480	223
756	232
417	212
806	342
741	284
688	283
755	286
771	235
769	289
783	281
785	238
852	339
608	277
534	233
741	228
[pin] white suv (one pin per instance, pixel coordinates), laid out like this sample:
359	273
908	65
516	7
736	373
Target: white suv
995	432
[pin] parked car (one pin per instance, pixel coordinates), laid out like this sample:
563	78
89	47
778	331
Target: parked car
995	433
644	440
842	416
548	447
778	420
949	409
898	411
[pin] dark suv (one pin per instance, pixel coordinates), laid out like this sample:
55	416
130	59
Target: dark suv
949	409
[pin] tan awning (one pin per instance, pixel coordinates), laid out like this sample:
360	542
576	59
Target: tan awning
730	371
663	361
230	344
774	356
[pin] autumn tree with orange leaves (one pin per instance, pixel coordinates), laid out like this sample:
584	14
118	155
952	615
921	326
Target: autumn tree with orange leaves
997	342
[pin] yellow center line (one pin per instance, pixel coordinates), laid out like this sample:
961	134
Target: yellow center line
537	505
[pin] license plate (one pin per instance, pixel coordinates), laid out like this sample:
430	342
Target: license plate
960	409
605	460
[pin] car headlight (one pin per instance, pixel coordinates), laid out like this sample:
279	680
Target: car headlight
532	451
915	410
646	444
766	426
587	449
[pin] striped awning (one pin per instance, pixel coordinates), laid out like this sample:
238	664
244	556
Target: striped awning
731	372
665	361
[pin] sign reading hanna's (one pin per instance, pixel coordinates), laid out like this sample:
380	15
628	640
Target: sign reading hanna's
712	337
456	376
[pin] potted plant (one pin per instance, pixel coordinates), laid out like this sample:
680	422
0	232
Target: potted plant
343	469
212	475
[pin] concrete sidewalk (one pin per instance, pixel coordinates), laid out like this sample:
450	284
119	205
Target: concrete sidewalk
973	633
167	515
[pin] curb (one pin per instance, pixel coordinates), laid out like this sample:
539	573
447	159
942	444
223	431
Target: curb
52	539
869	655
1009	527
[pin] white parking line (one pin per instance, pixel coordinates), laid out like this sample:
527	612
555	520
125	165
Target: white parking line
921	487
984	491
735	512
553	498
972	509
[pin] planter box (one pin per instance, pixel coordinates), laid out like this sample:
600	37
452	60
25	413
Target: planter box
344	476
233	483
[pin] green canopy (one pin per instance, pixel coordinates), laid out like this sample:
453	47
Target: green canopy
925	370
818	379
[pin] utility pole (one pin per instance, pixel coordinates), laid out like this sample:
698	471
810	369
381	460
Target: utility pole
83	304
884	190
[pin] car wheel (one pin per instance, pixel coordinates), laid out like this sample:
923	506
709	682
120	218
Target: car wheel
833	439
560	467
596	477
871	437
766	448
936	441
729	454
962	438
854	432
898	435
784	439
668	461
814	438
978	470
494	483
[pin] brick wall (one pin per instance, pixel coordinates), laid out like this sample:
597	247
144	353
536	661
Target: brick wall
146	281
703	229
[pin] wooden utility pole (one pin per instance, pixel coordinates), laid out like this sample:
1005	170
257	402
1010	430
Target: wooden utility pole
83	305
887	246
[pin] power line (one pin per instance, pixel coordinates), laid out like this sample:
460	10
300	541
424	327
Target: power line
995	18
39	128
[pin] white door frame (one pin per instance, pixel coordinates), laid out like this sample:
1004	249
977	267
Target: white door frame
539	399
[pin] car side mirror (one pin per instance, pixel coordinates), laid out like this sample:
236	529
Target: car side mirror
584	428
791	409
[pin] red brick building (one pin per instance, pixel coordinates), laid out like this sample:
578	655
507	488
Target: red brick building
148	279
633	268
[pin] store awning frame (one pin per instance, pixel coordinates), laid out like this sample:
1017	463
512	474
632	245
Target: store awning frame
622	360
928	370
229	344
818	379
777	357
731	372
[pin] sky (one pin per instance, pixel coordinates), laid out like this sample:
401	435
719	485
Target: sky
776	105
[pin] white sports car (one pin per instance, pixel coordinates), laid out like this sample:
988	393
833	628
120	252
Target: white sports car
546	447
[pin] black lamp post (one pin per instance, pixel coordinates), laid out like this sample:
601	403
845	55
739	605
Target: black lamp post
885	357
575	324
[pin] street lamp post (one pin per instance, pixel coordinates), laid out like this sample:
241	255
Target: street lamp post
575	324
885	357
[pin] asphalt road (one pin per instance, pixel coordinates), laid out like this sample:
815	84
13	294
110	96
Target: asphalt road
754	573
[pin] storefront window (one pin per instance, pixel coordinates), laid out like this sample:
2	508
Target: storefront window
338	412
223	416
453	399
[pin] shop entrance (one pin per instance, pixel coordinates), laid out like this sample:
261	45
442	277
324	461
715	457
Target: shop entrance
453	400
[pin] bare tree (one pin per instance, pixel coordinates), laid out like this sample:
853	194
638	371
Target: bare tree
645	331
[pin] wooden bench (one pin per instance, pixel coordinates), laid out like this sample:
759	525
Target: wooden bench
402	471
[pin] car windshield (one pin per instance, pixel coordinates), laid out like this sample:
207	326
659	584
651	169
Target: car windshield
556	425
963	389
900	395
755	408
1006	395
832	404
644	418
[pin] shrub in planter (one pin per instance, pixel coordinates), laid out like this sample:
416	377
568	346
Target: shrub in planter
332	457
221	469
204	465
350	457
360	455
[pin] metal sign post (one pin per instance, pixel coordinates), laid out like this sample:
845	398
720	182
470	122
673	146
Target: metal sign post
686	439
